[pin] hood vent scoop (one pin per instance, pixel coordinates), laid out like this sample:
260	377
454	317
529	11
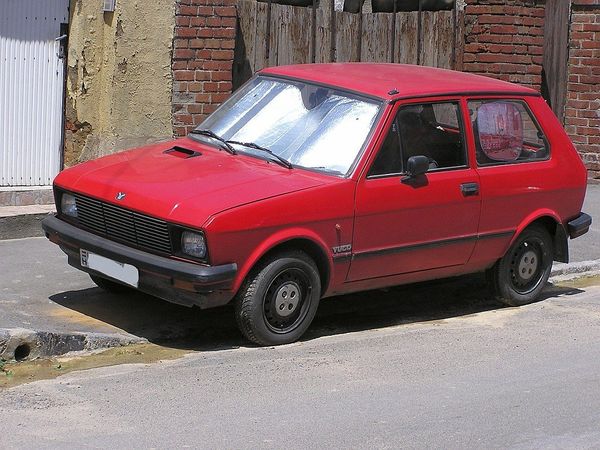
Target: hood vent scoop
182	152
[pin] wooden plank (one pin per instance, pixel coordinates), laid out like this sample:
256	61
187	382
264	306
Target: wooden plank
260	42
357	37
277	17
444	38
347	36
556	54
429	48
459	41
376	43
244	57
291	30
406	38
324	33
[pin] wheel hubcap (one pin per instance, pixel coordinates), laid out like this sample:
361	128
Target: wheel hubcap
528	265
287	299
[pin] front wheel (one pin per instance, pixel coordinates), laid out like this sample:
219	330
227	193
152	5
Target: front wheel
519	277
279	299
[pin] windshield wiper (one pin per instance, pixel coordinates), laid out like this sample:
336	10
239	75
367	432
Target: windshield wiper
284	162
215	136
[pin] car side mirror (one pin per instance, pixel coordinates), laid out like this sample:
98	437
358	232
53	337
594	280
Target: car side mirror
416	166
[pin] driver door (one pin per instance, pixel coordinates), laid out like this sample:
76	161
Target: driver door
431	221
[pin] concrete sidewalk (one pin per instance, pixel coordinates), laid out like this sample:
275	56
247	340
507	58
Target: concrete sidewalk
49	308
23	221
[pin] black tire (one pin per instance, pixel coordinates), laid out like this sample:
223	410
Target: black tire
279	299
110	286
519	277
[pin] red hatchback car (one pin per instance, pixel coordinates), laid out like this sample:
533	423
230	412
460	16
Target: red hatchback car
319	180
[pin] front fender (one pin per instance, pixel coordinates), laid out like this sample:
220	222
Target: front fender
278	239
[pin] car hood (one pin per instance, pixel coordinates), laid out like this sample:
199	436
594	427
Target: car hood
181	188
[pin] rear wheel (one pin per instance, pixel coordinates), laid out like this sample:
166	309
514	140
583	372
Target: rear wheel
109	286
279	299
519	277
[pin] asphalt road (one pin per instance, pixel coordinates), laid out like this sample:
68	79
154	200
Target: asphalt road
522	378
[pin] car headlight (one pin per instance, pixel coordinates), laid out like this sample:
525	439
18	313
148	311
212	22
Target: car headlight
193	244
68	206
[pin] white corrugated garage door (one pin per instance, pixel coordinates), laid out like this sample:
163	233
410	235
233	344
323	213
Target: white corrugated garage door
31	90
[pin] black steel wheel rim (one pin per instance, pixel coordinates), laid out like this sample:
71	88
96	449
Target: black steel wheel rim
287	300
527	266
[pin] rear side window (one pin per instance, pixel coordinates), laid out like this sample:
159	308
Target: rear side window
505	132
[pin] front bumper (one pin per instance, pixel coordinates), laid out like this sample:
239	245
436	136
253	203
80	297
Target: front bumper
176	281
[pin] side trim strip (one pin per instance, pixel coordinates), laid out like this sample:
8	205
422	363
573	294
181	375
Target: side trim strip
432	244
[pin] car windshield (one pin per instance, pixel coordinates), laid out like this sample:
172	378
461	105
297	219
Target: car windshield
310	126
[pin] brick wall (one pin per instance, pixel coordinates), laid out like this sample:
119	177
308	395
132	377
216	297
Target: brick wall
504	39
202	59
582	118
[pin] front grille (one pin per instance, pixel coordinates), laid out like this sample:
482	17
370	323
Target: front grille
123	225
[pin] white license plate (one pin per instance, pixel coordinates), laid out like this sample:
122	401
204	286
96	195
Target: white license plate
126	273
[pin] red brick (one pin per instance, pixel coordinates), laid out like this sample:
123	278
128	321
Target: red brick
179	65
225	33
219	97
198	21
222	55
202	98
187	10
224	87
214	21
211	87
179	131
228	44
183	118
229	21
220	76
197	43
183	54
206	33
182	21
181	43
205	11
588	131
208	109
201	75
195	87
183	75
195	109
225	11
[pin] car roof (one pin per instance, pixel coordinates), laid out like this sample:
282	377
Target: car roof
392	81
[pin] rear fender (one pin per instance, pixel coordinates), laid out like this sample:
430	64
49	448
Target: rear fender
555	227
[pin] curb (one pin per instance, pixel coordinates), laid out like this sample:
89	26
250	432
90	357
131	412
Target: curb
564	271
22	344
22	226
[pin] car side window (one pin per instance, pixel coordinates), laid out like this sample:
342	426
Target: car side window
505	132
433	130
388	160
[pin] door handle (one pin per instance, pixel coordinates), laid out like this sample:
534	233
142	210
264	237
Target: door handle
469	189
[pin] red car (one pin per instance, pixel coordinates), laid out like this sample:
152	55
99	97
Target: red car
319	180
